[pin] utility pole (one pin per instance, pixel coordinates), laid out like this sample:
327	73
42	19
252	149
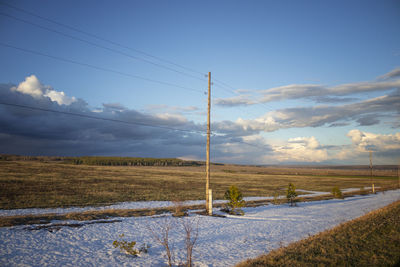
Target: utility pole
370	168
398	173
208	193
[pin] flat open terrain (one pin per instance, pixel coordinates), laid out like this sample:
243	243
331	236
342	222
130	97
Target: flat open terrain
221	241
25	184
372	240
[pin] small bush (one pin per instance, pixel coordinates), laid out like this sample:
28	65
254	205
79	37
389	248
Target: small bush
129	247
276	200
363	191
191	230
236	201
337	193
291	194
161	234
179	209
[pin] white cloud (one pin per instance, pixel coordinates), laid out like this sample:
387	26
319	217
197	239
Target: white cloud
59	97
386	148
265	123
33	87
300	149
364	141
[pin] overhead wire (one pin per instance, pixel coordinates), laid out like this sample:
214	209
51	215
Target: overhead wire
101	118
120	121
101	38
219	83
98	68
99	46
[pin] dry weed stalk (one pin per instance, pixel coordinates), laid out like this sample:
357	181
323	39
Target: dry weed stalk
161	235
179	209
191	228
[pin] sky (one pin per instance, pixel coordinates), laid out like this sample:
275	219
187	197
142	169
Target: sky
293	82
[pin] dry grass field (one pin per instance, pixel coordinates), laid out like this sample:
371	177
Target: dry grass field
25	184
371	240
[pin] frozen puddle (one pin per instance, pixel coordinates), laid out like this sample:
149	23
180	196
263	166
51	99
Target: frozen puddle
221	241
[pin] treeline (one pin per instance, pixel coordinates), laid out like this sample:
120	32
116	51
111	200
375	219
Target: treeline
105	161
128	161
30	158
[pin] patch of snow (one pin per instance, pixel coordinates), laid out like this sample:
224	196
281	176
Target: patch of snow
347	190
133	205
221	242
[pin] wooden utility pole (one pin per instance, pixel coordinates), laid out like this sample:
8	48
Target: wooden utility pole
208	195
370	168
398	173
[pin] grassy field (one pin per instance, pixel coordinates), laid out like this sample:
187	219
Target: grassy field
25	184
371	240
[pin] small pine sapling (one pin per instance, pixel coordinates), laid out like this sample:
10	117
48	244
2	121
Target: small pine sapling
291	194
129	247
236	201
337	193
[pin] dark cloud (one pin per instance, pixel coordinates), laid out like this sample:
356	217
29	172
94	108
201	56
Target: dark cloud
368	120
331	99
242	100
339	124
37	132
27	131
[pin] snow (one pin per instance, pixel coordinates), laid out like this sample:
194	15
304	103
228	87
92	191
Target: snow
221	241
135	205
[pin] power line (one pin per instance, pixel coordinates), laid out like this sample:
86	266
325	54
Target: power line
218	83
99	68
120	121
100	118
100	46
100	38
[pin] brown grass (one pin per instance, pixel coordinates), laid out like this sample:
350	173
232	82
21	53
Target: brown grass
371	240
25	184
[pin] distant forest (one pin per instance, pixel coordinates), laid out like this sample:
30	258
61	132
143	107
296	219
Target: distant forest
105	161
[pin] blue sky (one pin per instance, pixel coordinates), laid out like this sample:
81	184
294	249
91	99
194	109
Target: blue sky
306	79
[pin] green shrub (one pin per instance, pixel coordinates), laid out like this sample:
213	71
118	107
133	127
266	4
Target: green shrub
236	201
291	194
129	247
337	193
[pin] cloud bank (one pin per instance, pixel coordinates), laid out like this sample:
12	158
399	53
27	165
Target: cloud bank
120	131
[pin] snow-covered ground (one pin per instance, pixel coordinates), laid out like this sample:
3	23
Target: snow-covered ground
221	241
136	205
